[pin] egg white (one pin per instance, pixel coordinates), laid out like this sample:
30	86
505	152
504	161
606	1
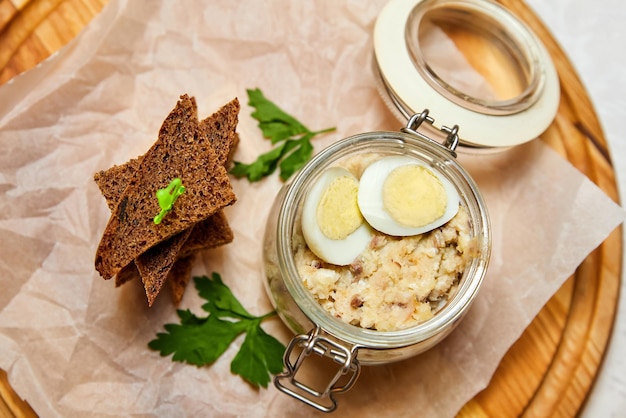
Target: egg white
335	251
370	197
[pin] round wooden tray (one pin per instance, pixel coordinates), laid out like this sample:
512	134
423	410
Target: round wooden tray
550	370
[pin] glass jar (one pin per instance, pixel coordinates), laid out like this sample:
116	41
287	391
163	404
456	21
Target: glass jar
521	104
317	331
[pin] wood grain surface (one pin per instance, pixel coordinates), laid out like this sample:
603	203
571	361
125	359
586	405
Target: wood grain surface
550	370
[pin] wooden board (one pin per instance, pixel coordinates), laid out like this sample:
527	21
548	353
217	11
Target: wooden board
550	370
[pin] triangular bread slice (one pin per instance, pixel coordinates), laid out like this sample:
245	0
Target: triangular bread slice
180	151
210	233
113	181
156	264
179	276
207	234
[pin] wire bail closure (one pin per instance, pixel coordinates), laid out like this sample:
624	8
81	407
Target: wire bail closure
314	343
452	134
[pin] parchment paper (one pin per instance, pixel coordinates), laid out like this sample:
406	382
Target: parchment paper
75	346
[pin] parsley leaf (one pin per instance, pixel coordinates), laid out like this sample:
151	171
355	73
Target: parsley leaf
292	139
275	124
220	300
202	340
294	161
259	351
264	165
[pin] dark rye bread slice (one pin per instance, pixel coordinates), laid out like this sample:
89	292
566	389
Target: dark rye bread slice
223	142
205	235
180	151
113	181
157	261
180	272
210	233
154	265
157	264
178	276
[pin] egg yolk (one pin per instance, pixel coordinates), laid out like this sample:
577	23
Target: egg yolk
338	213
413	196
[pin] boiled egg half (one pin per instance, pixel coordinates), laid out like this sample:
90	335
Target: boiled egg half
332	224
400	196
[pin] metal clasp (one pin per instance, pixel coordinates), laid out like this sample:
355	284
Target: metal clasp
452	134
314	343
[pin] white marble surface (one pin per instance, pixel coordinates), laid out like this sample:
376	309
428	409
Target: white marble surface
593	35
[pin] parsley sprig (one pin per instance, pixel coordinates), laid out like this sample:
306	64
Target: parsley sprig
292	139
202	340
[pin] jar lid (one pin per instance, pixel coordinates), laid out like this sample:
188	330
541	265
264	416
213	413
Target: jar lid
526	92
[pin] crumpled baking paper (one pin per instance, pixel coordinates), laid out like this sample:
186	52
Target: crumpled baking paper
75	346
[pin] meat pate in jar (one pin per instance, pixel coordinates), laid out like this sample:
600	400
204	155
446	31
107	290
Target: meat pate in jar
395	282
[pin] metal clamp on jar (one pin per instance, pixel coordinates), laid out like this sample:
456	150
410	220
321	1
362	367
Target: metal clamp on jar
408	83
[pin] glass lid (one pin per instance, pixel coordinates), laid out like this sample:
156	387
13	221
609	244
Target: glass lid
471	63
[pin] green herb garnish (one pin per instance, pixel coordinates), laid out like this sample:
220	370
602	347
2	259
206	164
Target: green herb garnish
293	141
167	197
202	340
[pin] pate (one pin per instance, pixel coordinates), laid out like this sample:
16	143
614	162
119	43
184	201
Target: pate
395	282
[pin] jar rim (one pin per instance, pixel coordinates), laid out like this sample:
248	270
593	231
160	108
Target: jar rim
392	142
489	19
